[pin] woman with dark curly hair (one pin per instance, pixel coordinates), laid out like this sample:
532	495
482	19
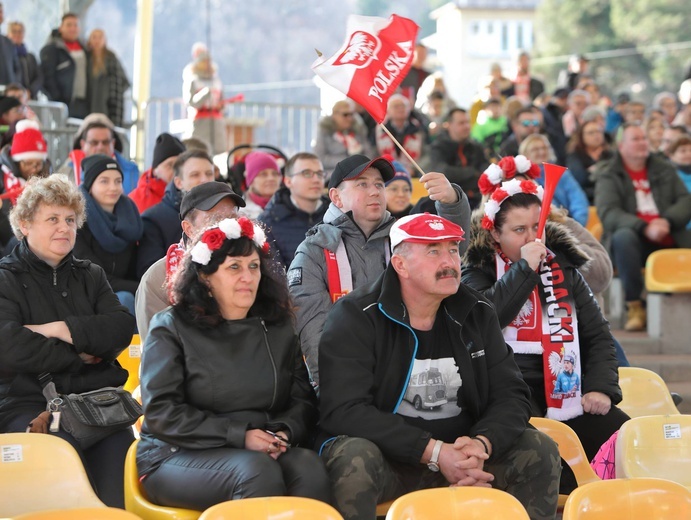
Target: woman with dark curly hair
224	386
586	148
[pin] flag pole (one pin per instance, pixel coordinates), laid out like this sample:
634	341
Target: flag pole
400	147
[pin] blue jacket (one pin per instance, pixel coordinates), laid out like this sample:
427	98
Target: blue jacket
569	195
287	225
161	229
567	382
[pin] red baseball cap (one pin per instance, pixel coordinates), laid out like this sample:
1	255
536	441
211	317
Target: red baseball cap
422	228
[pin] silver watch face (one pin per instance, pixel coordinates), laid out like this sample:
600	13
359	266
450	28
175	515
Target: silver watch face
433	466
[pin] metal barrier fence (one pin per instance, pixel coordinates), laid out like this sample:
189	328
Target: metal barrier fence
291	128
60	130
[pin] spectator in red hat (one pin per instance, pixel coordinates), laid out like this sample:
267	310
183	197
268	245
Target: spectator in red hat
263	178
418	382
26	157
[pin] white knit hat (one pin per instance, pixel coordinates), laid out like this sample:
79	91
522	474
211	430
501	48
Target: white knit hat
28	142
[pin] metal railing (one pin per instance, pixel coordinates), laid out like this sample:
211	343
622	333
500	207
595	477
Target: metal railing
291	128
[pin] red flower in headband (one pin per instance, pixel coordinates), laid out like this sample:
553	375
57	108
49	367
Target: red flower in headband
246	227
508	189
506	170
213	238
508	166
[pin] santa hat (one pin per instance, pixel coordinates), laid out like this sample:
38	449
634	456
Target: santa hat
28	142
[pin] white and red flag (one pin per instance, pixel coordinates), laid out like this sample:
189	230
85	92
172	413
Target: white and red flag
375	58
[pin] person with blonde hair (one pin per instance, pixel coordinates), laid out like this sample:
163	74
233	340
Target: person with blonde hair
107	79
59	316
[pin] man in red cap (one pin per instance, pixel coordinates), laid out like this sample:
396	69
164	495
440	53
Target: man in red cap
419	389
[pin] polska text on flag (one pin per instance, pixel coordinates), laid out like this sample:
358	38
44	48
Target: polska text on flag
373	61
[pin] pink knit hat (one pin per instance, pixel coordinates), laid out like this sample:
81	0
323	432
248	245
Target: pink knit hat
28	142
256	162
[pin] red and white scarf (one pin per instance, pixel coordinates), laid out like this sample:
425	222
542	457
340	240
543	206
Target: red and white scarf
547	324
13	185
174	257
349	141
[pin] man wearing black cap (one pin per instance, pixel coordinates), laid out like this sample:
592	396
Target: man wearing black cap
351	247
152	184
200	207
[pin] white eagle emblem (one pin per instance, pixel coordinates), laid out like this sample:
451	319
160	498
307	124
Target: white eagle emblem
437	225
555	363
360	51
523	315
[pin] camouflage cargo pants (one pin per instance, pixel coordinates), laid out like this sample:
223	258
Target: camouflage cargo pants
361	477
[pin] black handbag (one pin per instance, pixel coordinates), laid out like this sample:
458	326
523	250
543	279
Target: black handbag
90	416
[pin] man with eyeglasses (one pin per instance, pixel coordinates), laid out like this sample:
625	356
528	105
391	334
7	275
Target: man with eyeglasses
295	207
527	121
96	135
350	248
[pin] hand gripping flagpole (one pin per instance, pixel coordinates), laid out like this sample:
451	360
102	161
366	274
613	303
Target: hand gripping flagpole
553	173
400	147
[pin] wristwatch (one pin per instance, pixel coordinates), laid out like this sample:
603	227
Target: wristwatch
433	464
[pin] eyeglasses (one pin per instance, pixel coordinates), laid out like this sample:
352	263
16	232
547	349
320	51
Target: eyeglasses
530	122
346	114
308	174
105	142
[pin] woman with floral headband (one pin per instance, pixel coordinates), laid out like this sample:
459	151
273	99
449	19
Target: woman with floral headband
561	341
225	391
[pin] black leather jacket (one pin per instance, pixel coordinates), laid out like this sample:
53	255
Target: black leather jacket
204	388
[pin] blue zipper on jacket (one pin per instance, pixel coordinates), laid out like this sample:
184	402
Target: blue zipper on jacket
410	368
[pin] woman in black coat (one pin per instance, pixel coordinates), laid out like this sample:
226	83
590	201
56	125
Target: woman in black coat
58	315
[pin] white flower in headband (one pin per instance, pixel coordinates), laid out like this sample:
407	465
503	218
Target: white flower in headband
507	189
505	170
523	164
228	229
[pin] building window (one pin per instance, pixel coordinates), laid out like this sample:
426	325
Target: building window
504	37
490	27
475	28
519	36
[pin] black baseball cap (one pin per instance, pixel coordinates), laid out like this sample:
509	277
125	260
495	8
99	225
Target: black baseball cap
206	196
352	167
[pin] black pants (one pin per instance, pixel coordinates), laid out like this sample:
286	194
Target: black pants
199	479
104	462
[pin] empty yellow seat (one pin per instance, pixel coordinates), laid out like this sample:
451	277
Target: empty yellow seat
570	449
457	503
272	508
656	446
41	471
644	393
136	501
91	513
623	499
419	191
130	359
668	271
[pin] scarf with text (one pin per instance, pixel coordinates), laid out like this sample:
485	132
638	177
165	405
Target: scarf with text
547	324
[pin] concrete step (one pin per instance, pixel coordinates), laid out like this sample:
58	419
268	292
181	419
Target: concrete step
684	390
635	343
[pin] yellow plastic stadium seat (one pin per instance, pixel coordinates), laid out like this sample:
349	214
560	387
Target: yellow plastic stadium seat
570	449
39	472
383	508
656	446
90	513
593	218
668	271
136	501
623	499
419	191
272	508
457	503
130	359
644	393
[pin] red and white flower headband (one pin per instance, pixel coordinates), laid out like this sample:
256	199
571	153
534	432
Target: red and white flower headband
507	189
506	170
231	228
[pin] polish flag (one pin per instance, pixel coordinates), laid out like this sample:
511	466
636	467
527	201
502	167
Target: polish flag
377	55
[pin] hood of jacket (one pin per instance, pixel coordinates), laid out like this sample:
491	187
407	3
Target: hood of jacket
481	249
328	125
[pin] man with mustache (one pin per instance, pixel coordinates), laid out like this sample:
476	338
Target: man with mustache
419	389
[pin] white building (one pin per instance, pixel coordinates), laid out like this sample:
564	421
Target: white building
473	34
